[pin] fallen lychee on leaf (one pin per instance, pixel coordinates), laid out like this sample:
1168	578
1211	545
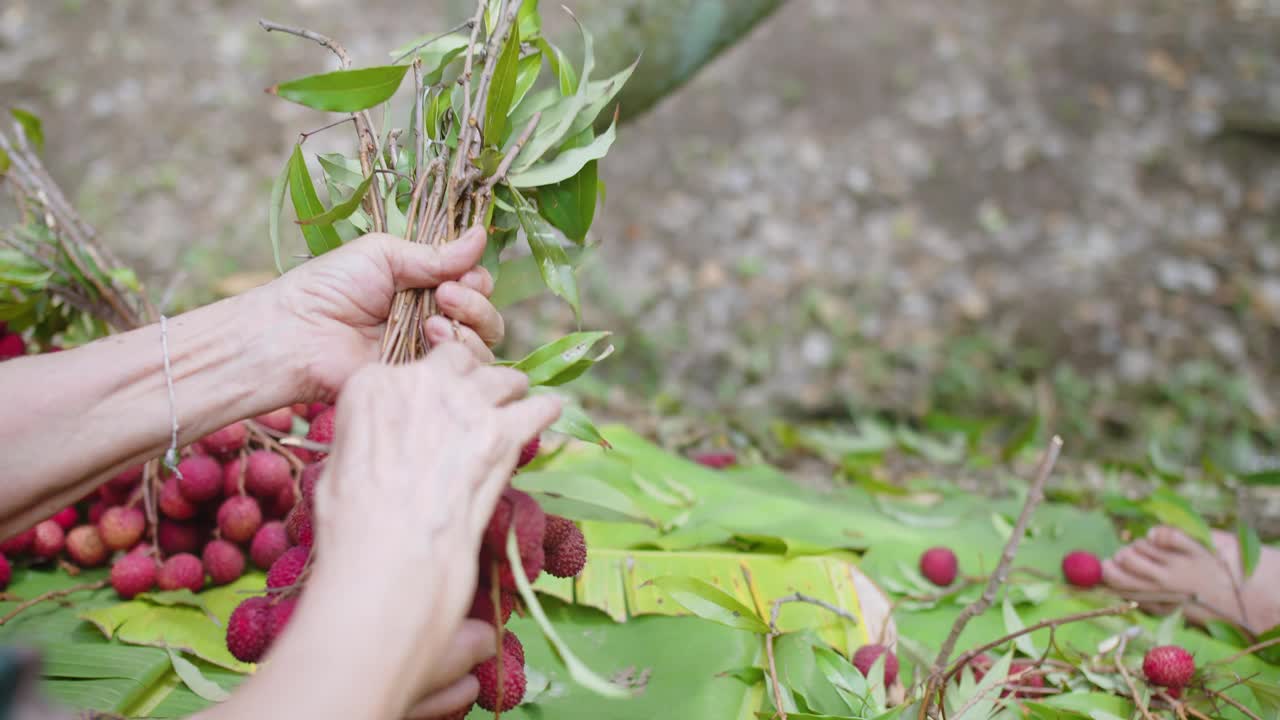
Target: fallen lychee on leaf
1082	569
85	546
133	574
939	566
1168	666
181	571
249	629
867	655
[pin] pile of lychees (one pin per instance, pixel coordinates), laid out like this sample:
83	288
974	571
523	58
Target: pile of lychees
547	543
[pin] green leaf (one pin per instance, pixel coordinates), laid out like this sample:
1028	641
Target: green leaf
558	119
344	90
1012	624
591	498
575	423
550	363
275	207
529	20
599	94
306	204
526	76
578	670
174	598
436	55
502	91
553	263
436	110
566	164
711	603
1021	439
1172	509
342	210
31	127
1250	547
561	66
341	170
1169	627
195	680
1262	477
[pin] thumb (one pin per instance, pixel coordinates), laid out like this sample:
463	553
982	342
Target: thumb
416	266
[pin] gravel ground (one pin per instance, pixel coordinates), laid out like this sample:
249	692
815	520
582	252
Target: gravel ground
873	202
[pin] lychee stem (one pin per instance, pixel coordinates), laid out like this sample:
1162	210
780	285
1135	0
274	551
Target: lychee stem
51	595
1128	680
261	434
150	493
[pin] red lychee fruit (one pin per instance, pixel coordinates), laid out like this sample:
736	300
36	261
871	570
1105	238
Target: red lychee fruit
67	517
279	506
127	478
939	566
223	561
278	616
530	523
280	420
49	540
85	546
286	570
19	543
201	479
298	526
558	528
122	527
177	537
183	570
97	510
1169	666
567	557
266	474
248	629
226	441
1023	678
482	606
12	346
867	655
980	666
269	543
239	518
6	572
1082	569
512	645
133	574
310	476
233	477
314	409
513	684
717	460
172	502
321	430
528	452
533	562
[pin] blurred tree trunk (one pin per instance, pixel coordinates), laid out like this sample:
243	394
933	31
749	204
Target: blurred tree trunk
675	39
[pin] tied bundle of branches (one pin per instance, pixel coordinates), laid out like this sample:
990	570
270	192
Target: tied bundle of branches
57	278
484	145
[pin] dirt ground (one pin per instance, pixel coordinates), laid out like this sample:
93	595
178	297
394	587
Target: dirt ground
867	203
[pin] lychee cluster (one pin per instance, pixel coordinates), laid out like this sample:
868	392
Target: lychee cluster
548	543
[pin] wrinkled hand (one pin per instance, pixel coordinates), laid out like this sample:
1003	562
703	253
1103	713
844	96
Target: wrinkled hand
421	455
335	307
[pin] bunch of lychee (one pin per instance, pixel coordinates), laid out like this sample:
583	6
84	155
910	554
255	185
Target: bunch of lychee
226	505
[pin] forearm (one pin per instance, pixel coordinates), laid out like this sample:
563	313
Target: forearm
89	412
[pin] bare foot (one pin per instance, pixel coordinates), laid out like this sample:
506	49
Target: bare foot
1168	569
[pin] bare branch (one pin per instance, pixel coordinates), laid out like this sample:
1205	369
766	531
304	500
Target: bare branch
466	25
51	595
323	40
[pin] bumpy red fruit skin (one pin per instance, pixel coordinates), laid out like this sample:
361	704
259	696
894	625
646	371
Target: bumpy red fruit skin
939	566
282	503
530	523
173	503
222	561
1168	665
715	460
1082	569
558	528
528	452
233	477
133	574
49	540
67	517
298	525
568	555
239	518
867	655
511	644
126	479
482	605
266	474
533	562
201	479
280	420
6	572
278	616
183	570
321	430
177	537
85	546
226	441
19	543
286	570
310	476
122	527
513	686
314	410
248	629
269	543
